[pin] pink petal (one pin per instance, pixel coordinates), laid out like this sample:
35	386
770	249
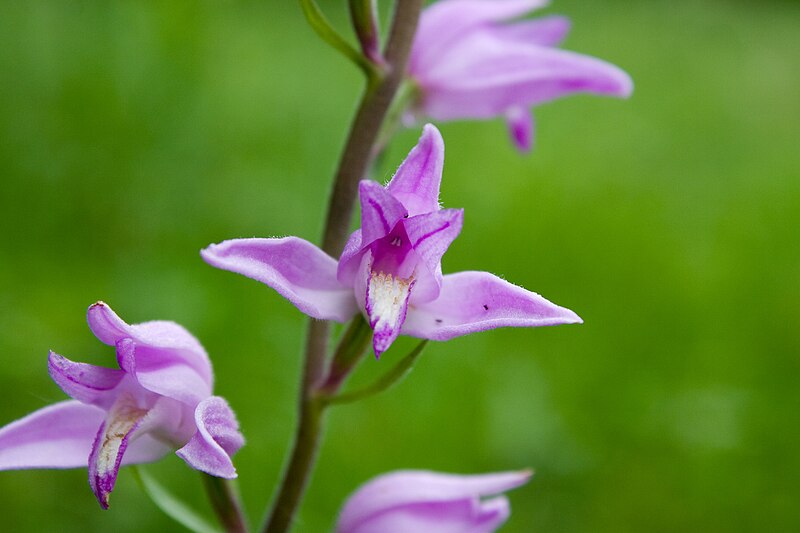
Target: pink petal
56	436
216	440
416	183
479	301
163	372
158	343
446	21
298	270
428	501
380	211
486	76
520	127
350	259
88	383
431	235
545	31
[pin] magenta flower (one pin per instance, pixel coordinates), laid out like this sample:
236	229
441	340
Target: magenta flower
157	401
469	63
391	268
405	501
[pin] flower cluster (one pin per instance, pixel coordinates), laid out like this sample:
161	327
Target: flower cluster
470	59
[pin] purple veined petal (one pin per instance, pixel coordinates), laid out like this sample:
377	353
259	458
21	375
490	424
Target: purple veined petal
380	211
544	31
479	301
431	235
162	372
216	440
520	128
350	259
446	21
56	436
298	270
486	77
89	384
110	444
416	183
170	340
434	499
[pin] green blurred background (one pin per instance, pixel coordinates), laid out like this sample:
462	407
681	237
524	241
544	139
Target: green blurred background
132	134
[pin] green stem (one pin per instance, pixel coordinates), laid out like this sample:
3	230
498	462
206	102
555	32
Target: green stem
225	502
353	165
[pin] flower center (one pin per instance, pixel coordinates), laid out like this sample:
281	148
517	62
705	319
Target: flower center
387	303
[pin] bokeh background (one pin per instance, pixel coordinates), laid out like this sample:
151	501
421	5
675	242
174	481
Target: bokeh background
132	134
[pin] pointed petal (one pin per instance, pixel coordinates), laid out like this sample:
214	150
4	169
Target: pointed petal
110	445
431	235
88	383
446	21
163	372
479	301
416	183
452	497
544	31
298	270
486	76
56	436
158	343
520	127
380	211
216	440
350	259
386	306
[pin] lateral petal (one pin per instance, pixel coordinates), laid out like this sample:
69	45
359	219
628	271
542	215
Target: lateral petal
431	235
170	343
87	383
350	259
544	31
298	270
486	76
446	21
216	440
416	183
380	211
479	301
163	372
56	436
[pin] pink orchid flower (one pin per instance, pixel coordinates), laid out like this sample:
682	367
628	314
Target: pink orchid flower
159	400
469	62
391	267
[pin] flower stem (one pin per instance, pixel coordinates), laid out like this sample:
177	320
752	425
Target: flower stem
353	165
225	502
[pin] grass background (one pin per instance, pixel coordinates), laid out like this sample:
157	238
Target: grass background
132	134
